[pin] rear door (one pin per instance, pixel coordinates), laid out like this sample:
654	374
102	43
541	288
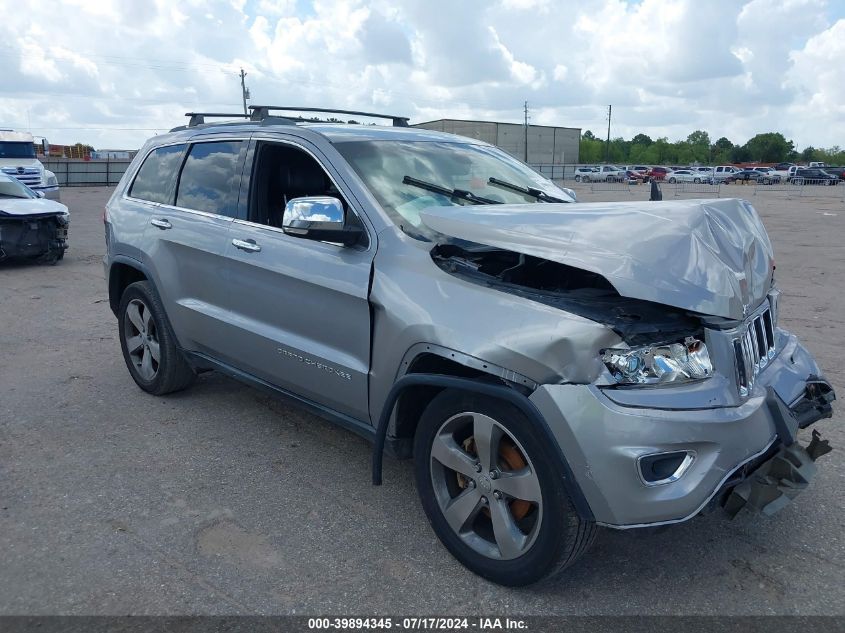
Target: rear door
187	239
299	309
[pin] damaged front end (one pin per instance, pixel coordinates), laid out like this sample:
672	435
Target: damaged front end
41	236
698	402
769	483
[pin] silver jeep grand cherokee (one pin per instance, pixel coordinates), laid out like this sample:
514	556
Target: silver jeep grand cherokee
551	366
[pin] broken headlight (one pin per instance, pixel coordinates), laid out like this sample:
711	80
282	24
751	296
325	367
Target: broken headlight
653	364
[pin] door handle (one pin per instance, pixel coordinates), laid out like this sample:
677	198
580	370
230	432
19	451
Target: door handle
161	223
246	245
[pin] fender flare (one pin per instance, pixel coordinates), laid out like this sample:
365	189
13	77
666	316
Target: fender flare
500	392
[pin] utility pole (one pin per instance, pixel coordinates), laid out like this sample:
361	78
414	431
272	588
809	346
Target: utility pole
607	143
244	91
526	132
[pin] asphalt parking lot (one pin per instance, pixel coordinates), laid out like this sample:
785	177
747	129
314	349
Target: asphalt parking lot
221	499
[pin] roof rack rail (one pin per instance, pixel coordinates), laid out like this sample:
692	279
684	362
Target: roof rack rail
198	118
261	112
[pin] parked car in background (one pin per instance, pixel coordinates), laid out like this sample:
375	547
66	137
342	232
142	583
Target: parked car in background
609	173
724	173
635	177
642	169
818	163
813	176
839	172
768	175
749	174
31	226
784	170
585	174
687	175
658	173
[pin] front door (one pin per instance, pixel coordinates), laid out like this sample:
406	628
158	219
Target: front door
298	309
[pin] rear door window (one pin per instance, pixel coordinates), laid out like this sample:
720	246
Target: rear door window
154	181
210	178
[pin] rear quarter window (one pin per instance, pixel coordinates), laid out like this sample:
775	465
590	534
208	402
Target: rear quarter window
154	181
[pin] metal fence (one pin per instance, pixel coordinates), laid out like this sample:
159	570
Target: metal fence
695	188
805	188
87	173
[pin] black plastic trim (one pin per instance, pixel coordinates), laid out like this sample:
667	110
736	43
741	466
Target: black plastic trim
494	391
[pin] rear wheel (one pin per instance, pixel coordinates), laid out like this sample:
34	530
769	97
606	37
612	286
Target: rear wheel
577	178
493	491
672	181
696	180
149	347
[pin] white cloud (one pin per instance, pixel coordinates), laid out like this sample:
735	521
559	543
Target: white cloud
668	66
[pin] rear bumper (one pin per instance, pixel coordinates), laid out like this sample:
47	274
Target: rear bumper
604	441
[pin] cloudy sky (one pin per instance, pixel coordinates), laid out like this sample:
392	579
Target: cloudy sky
113	72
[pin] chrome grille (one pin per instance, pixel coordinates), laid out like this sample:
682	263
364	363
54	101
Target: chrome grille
754	348
30	176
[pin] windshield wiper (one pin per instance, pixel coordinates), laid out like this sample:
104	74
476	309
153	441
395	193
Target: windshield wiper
537	194
452	193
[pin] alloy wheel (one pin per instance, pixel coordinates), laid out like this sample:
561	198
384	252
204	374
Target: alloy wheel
486	486
141	338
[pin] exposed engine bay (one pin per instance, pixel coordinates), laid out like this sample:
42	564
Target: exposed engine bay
42	237
571	289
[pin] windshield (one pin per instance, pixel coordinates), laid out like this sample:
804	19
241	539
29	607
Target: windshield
16	149
390	169
11	188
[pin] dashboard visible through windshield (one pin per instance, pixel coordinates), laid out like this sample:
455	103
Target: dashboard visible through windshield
407	177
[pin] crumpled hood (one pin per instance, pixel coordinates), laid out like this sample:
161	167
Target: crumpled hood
19	207
708	256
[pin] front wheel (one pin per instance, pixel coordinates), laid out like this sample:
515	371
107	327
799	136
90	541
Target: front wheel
671	181
697	180
492	488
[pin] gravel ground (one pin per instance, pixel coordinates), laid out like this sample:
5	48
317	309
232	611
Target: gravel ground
223	500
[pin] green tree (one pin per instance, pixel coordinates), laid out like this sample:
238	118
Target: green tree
642	139
770	147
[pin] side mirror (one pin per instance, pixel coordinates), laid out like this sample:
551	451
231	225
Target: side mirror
319	218
40	194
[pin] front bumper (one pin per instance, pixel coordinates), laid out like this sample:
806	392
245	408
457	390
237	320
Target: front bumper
603	440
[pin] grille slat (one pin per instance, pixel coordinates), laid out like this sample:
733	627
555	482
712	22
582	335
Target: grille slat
754	347
30	176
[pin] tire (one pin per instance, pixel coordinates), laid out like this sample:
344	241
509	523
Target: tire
143	326
671	181
577	178
545	533
697	181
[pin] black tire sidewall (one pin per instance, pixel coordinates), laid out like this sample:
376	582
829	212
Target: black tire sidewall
557	530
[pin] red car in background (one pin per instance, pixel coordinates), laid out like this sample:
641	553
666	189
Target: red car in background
658	173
